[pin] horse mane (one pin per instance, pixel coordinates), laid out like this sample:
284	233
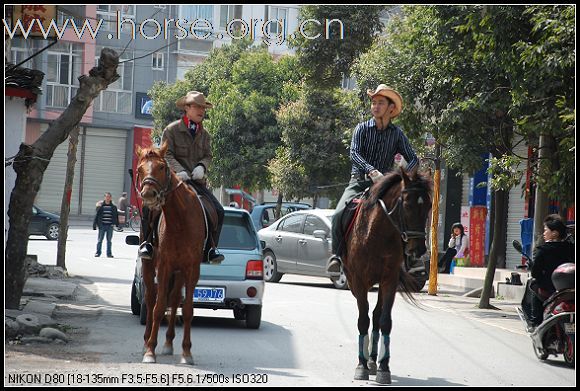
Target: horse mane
392	179
379	190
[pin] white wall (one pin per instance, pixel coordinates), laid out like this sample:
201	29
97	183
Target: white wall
14	133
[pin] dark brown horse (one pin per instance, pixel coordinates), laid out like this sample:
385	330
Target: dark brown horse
177	252
391	222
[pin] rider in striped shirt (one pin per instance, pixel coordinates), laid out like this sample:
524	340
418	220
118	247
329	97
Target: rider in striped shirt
374	145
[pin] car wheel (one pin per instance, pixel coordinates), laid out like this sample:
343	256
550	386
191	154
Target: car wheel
340	282
271	267
253	316
143	313
52	231
135	306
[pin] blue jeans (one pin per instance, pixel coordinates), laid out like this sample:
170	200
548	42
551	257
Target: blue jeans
105	229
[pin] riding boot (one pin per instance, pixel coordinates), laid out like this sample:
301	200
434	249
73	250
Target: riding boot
146	248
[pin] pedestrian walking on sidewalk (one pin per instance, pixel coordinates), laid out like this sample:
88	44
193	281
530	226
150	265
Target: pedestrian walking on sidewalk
105	218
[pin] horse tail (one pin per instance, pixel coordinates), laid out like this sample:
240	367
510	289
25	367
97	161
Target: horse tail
408	286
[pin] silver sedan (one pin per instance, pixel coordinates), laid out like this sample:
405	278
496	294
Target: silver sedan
299	243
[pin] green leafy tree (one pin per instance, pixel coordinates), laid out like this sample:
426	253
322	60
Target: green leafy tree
325	59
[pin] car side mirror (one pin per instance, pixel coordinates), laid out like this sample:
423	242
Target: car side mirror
319	234
132	240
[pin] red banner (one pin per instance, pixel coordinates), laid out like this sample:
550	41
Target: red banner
477	235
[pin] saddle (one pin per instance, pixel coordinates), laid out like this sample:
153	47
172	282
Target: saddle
210	212
348	217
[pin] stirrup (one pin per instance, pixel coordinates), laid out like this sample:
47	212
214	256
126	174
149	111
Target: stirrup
334	266
145	251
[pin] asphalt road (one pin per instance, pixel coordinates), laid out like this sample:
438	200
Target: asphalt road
308	337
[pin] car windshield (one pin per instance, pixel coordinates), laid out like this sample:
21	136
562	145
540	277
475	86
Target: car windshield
236	233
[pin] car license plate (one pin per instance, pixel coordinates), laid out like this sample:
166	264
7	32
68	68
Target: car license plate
209	295
570	328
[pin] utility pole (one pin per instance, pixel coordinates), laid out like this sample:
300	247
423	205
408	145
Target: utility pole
65	204
433	267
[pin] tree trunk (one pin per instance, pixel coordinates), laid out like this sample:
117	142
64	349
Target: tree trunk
30	164
65	205
278	206
545	152
498	246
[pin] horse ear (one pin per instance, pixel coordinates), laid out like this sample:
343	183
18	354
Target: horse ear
163	148
413	173
138	150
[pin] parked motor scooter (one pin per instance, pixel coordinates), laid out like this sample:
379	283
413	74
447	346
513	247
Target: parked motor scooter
556	334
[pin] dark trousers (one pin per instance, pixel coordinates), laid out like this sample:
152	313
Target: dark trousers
533	303
445	261
108	230
214	231
354	187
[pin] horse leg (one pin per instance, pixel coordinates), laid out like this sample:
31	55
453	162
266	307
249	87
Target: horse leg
174	299
158	313
375	336
362	369
187	310
383	372
148	270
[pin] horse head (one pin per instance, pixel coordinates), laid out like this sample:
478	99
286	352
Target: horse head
416	204
405	199
155	174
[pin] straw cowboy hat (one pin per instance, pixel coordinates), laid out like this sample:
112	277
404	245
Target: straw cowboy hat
193	97
388	92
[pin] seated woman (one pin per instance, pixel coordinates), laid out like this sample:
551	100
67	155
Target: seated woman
547	257
458	247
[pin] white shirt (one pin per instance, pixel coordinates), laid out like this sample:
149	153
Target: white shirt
460	243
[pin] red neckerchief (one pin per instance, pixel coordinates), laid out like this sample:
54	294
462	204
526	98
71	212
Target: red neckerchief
199	127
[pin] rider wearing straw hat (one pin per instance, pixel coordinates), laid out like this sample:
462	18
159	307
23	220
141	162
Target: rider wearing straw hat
374	145
189	155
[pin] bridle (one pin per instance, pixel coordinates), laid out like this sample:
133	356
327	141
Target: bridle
163	190
400	224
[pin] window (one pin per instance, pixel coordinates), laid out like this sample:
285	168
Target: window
108	13
191	13
78	18
277	13
118	97
21	49
312	224
64	67
226	15
157	61
237	233
292	224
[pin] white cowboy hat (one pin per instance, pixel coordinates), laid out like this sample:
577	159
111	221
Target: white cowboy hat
390	93
193	97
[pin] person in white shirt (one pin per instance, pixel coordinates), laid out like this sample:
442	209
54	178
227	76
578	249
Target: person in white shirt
458	247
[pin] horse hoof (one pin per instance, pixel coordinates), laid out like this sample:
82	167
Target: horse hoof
186	360
361	373
383	377
372	367
167	350
149	359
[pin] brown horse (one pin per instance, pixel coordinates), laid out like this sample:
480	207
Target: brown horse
177	253
391	222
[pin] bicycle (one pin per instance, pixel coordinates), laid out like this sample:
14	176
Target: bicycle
135	219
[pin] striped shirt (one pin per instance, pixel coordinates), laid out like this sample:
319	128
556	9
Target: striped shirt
373	149
107	216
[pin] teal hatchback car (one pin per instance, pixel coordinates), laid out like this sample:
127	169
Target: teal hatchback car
237	284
